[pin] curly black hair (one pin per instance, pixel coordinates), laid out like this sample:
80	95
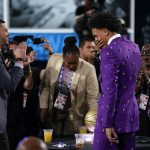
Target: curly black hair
70	47
105	20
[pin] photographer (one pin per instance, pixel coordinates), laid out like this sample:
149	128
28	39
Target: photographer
23	104
9	80
83	13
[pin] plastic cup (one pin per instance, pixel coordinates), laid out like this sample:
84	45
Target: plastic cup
79	140
82	129
48	135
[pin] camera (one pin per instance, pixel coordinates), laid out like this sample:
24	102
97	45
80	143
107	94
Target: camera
8	53
22	38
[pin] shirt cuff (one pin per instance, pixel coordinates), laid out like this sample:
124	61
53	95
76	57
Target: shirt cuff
17	64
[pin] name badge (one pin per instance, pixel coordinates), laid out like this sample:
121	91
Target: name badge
60	101
143	101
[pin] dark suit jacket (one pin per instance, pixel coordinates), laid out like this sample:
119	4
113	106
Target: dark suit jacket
8	83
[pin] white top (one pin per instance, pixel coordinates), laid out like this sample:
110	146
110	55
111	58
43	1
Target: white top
113	37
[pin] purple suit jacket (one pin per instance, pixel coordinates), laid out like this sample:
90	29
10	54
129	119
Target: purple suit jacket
120	62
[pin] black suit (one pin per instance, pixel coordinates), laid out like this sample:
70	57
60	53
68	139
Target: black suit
8	82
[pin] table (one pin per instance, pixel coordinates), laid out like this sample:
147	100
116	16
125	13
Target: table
142	143
69	141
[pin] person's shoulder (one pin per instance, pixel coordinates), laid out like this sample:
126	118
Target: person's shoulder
124	41
114	44
85	64
56	56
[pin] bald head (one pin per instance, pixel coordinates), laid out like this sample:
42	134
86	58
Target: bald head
31	143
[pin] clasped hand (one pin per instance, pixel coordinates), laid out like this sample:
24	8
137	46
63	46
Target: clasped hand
111	135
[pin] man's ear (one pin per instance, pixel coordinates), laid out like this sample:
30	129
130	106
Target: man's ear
106	31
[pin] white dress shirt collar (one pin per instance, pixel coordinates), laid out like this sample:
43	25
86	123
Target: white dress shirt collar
113	37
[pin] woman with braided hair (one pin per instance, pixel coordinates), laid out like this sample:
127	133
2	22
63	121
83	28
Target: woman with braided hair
70	90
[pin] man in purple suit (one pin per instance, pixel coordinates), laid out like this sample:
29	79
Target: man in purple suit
118	114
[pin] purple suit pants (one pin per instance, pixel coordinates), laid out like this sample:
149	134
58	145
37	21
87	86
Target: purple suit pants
126	142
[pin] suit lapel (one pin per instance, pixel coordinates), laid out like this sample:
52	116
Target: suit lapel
76	77
57	70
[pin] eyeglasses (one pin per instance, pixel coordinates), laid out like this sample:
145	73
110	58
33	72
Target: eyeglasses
145	52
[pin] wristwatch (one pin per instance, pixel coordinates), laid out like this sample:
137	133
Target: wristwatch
50	53
18	59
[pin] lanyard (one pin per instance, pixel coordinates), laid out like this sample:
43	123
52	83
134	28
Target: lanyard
65	77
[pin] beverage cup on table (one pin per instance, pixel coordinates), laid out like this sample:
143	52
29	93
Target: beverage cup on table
48	135
79	140
82	129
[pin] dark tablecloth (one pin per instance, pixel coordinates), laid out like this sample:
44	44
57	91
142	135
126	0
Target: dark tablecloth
142	143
